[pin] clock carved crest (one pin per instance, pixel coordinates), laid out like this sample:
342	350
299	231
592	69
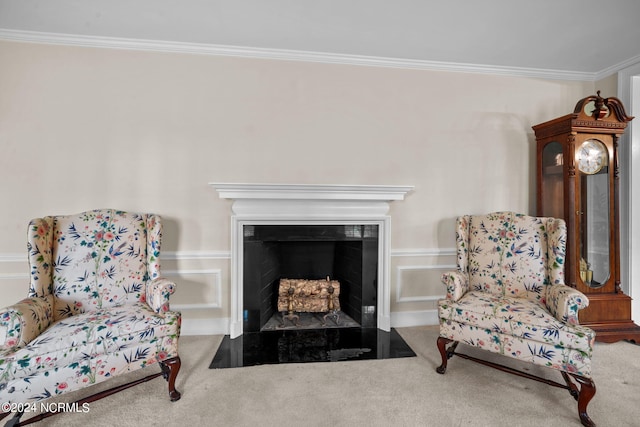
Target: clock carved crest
577	177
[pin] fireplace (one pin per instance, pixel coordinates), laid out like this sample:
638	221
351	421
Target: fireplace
330	216
345	255
309	232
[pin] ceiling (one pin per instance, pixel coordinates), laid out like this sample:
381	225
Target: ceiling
580	39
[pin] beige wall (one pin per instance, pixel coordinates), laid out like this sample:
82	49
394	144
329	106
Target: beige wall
84	128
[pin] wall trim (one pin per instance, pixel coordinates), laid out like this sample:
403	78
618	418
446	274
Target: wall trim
221	255
217	286
180	255
7	258
220	326
421	298
423	252
295	55
405	319
204	326
11	257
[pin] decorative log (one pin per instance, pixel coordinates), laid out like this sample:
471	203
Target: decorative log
308	296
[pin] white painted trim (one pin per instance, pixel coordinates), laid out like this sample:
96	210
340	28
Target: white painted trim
301	204
9	257
241	191
204	326
15	276
423	252
179	272
226	255
617	68
422	298
237	243
295	55
216	273
629	94
165	255
209	255
217	286
405	319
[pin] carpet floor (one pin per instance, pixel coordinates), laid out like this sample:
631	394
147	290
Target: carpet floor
390	392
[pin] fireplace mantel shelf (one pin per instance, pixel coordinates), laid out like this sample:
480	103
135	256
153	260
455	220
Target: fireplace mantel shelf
311	192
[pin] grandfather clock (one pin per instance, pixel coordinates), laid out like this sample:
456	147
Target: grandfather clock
577	179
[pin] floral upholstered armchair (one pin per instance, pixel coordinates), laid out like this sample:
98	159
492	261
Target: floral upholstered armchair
97	308
508	297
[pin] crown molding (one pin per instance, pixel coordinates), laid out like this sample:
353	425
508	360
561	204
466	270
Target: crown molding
618	67
292	55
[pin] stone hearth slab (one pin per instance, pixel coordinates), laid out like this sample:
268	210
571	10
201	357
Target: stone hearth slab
309	345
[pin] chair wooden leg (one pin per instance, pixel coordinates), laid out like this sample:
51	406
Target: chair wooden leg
170	368
587	391
444	353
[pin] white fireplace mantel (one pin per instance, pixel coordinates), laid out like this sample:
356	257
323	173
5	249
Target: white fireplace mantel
312	191
309	204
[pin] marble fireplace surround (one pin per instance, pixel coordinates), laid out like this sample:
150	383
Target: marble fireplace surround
309	204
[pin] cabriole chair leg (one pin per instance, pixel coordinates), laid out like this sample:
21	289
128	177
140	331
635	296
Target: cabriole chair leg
587	391
170	368
444	353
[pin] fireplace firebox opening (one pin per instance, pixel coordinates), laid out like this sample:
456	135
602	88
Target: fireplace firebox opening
347	253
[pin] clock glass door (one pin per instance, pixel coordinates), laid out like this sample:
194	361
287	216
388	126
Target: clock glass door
552	181
594	245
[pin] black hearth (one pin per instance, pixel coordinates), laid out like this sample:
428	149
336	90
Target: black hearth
317	345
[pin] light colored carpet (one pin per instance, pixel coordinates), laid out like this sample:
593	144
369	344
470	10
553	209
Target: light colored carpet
392	392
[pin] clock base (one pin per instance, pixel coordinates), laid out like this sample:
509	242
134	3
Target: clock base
613	332
609	315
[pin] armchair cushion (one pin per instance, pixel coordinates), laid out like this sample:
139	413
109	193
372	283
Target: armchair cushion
518	328
126	338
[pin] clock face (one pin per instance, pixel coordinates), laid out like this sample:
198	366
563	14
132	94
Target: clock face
591	156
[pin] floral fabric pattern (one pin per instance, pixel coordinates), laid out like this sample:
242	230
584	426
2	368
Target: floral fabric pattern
508	294
22	322
97	305
457	284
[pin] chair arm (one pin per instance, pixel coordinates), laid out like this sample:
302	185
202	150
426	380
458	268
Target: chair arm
564	303
157	294
22	322
457	284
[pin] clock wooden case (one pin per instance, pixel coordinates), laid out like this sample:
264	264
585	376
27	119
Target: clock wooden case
577	178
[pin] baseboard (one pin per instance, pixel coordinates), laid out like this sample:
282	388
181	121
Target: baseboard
403	319
204	326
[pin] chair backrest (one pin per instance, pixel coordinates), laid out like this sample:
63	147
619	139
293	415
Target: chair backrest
95	259
511	254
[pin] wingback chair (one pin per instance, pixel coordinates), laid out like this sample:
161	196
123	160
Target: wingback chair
97	308
508	297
